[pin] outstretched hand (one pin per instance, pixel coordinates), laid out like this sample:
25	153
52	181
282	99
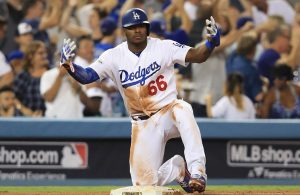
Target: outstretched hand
67	54
213	33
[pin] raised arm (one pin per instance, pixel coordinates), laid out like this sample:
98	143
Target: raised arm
201	53
72	29
80	74
52	15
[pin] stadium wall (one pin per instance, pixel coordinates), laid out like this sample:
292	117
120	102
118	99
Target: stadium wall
95	151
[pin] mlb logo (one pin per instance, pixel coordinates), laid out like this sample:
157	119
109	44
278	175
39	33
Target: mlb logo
75	155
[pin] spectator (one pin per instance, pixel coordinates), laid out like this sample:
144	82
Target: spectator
10	106
6	74
14	14
24	36
105	6
202	9
95	17
261	9
69	25
42	15
112	102
191	7
234	105
273	22
283	99
85	56
158	27
108	27
154	8
16	61
162	28
284	47
279	43
292	57
27	83
202	73
131	4
202	12
57	86
242	61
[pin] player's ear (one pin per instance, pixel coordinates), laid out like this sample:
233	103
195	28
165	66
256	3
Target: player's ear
123	31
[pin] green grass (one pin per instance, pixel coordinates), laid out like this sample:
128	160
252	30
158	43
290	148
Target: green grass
108	188
253	188
58	189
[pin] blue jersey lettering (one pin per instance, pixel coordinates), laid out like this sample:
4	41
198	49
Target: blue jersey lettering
138	77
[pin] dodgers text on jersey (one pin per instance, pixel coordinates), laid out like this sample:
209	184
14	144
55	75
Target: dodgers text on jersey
138	77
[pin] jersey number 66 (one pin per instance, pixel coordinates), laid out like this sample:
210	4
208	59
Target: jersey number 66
157	84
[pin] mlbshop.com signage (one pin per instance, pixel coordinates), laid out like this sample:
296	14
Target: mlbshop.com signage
47	160
265	159
43	155
63	160
277	154
41	160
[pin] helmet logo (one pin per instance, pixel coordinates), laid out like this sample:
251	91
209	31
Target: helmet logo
136	16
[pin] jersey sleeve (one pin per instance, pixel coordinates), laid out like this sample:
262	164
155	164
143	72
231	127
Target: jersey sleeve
177	52
103	65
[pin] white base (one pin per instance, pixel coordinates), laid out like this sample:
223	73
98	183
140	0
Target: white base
145	190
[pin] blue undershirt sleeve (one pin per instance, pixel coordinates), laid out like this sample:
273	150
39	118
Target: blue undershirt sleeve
84	75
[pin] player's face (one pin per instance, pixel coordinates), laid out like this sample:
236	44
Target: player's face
136	34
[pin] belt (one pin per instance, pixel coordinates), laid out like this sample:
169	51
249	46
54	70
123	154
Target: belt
143	117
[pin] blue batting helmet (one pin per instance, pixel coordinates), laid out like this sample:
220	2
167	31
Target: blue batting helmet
135	16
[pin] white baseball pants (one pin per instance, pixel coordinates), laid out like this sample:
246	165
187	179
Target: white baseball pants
148	141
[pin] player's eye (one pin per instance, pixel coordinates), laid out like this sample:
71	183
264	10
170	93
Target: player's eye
136	26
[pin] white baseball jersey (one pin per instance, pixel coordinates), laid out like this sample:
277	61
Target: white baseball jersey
147	83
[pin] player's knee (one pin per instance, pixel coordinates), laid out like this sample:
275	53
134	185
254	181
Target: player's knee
187	106
181	108
178	160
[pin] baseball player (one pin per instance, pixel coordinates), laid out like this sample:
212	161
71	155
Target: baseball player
143	70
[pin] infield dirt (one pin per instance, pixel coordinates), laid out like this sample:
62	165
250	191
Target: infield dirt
205	193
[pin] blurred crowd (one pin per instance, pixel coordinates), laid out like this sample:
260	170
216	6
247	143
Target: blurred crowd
254	73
